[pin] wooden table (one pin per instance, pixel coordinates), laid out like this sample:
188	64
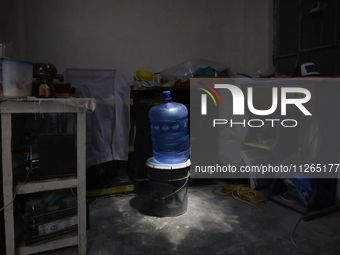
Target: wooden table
40	106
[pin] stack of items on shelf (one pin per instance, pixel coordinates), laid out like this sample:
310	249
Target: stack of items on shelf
48	215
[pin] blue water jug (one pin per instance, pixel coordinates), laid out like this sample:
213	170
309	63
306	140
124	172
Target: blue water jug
169	131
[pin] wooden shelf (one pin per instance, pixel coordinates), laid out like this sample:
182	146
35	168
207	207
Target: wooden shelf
46	185
38	106
51	245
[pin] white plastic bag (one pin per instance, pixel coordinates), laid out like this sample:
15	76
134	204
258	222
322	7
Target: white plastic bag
186	70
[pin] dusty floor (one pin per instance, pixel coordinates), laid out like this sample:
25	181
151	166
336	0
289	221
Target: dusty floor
211	225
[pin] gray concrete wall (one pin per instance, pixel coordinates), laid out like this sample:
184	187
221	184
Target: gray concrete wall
150	34
12	27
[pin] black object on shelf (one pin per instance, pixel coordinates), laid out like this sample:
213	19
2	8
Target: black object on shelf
57	154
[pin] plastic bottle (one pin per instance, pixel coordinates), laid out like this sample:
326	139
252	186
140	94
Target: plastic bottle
169	131
46	88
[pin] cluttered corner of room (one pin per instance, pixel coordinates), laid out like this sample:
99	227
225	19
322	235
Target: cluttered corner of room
20	78
179	75
49	83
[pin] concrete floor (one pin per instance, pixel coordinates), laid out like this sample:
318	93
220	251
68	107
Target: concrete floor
212	225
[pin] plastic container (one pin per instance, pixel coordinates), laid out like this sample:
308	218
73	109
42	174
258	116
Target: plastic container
17	78
169	131
144	75
168	187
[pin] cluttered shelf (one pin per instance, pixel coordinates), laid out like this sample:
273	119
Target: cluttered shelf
152	96
38	106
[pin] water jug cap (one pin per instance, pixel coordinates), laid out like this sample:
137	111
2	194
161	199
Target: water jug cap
166	96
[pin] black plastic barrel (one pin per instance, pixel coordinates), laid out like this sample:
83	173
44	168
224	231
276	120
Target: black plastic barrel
168	187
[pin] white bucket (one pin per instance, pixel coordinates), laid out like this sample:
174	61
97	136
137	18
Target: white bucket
17	78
